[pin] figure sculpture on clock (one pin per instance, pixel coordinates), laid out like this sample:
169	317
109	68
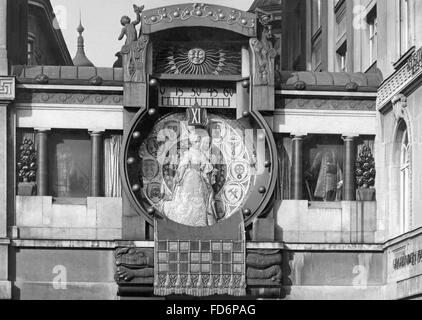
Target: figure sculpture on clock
193	200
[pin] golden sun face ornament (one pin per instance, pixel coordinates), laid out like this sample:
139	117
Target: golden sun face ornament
199	61
197	56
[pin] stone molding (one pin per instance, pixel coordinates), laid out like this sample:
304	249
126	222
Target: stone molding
70	98
330	104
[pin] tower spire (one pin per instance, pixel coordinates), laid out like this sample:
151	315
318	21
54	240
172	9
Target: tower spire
80	29
81	59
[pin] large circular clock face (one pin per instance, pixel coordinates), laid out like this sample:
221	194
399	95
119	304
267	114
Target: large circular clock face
222	147
198	175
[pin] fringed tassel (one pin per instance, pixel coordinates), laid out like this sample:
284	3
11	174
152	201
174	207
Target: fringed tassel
220	289
167	283
188	282
178	285
199	284
231	284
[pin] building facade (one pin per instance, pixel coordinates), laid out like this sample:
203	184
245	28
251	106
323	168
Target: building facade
288	128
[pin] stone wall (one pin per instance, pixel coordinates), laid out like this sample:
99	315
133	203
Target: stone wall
63	274
342	222
41	218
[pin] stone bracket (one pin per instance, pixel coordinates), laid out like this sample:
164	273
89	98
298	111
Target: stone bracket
263	77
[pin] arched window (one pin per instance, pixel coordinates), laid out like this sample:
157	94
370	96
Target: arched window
405	182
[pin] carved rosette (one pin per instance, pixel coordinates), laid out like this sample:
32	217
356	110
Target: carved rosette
231	17
134	59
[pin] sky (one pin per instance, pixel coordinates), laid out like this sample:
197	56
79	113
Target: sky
101	20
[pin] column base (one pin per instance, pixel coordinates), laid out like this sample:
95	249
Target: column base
5	290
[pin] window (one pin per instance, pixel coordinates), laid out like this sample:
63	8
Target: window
323	163
405	25
316	55
316	36
340	26
316	16
31	54
373	37
405	182
342	58
70	163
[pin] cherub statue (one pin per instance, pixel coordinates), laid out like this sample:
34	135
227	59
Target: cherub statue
129	28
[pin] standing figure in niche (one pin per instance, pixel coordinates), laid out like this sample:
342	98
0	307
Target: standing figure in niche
329	177
71	181
193	201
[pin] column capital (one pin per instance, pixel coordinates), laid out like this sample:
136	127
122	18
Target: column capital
349	137
42	130
7	89
96	132
298	136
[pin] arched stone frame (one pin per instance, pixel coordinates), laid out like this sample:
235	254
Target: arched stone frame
403	125
199	15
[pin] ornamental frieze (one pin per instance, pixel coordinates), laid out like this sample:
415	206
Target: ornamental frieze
331	104
70	98
199	11
7	88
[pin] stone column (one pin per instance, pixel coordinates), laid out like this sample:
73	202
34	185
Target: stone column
243	87
3	38
349	188
297	168
7	95
96	163
41	138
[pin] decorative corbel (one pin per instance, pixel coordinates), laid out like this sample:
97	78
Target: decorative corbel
399	106
134	61
263	65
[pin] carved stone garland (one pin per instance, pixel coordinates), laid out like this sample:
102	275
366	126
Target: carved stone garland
199	11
